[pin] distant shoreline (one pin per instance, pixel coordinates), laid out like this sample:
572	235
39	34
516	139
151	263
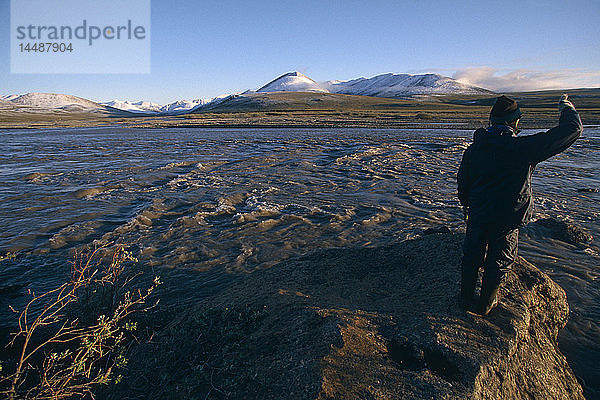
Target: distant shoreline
244	122
533	119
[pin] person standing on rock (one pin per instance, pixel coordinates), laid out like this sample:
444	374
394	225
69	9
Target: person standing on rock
494	189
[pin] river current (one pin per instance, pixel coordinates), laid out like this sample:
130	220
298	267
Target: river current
213	204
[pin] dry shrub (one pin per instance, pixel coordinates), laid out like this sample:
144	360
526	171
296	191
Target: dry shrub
73	339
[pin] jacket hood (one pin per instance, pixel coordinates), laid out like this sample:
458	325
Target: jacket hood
493	132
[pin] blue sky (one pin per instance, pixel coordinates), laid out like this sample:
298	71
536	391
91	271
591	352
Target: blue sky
202	49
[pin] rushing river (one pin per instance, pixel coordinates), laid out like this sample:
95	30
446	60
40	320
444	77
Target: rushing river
210	203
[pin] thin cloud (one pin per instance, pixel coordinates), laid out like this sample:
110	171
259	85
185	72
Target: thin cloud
526	80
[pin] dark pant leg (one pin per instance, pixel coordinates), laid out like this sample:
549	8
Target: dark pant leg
474	248
501	255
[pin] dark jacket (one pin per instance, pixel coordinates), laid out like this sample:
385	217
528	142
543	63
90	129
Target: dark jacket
494	178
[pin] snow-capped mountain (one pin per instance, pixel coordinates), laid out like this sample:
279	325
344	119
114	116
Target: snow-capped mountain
148	105
292	82
55	103
398	85
385	85
176	107
49	101
183	105
137	107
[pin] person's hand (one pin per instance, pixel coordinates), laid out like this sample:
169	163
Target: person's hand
465	213
564	103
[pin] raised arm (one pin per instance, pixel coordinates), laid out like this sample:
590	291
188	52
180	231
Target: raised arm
541	146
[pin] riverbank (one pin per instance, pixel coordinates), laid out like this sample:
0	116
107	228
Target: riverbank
351	323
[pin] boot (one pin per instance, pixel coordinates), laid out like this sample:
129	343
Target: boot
467	289
488	299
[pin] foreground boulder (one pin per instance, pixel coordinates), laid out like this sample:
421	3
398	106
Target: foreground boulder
560	230
364	323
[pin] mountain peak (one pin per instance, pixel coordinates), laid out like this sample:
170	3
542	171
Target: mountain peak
295	73
292	82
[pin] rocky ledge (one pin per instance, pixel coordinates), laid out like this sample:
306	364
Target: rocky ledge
364	323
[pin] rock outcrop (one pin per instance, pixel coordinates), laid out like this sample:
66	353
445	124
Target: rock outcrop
561	230
364	323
